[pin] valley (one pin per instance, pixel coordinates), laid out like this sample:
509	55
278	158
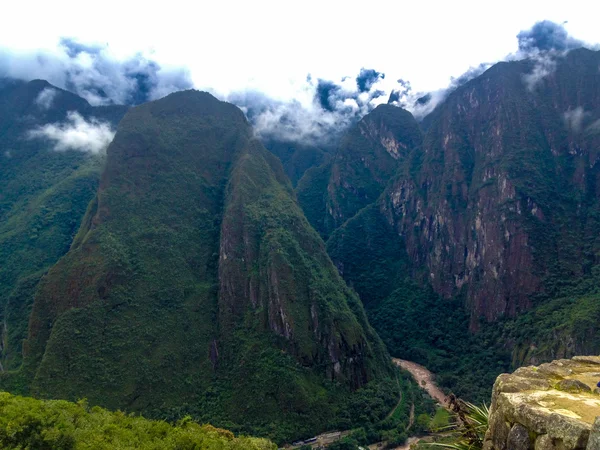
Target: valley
186	261
425	379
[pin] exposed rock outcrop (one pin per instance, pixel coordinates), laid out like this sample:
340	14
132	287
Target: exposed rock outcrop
500	194
549	407
367	158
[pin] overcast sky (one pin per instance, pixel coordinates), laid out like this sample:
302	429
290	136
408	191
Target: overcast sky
271	46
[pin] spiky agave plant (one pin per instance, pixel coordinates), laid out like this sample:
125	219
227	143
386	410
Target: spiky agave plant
472	423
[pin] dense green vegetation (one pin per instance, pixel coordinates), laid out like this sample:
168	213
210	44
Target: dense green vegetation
26	423
297	157
420	326
43	196
368	155
414	322
195	286
556	329
393	428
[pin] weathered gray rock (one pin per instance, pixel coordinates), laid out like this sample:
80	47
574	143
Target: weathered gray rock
551	407
594	441
500	429
544	442
575	386
587	359
518	438
572	433
554	370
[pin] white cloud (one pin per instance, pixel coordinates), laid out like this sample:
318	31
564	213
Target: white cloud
574	118
594	128
45	98
270	46
76	133
545	65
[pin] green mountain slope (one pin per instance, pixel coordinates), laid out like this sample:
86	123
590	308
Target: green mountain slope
298	157
368	156
497	213
195	285
43	196
58	424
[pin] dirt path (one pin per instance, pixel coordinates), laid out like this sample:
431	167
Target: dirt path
421	374
399	401
409	442
323	440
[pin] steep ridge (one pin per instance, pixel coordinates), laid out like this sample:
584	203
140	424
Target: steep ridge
298	157
368	156
195	285
502	205
43	196
497	212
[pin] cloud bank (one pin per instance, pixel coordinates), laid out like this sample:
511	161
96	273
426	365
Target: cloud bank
574	118
45	98
94	74
544	43
320	109
547	36
76	133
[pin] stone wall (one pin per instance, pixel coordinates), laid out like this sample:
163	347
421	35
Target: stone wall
555	406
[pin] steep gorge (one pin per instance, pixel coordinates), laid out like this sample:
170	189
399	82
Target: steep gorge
497	213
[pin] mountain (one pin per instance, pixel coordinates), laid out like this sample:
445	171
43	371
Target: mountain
43	196
490	225
297	157
195	285
367	157
505	197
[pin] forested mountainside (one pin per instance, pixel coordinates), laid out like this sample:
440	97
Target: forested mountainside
195	285
43	195
180	273
490	225
297	157
367	157
58	424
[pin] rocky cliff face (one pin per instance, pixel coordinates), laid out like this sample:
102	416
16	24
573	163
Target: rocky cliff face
553	406
506	185
501	200
368	156
498	211
274	266
196	284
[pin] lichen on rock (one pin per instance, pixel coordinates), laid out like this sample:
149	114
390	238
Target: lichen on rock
549	407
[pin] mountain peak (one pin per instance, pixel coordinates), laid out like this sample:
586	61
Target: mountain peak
199	103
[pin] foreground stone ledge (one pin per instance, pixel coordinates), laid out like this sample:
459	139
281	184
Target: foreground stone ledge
554	406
